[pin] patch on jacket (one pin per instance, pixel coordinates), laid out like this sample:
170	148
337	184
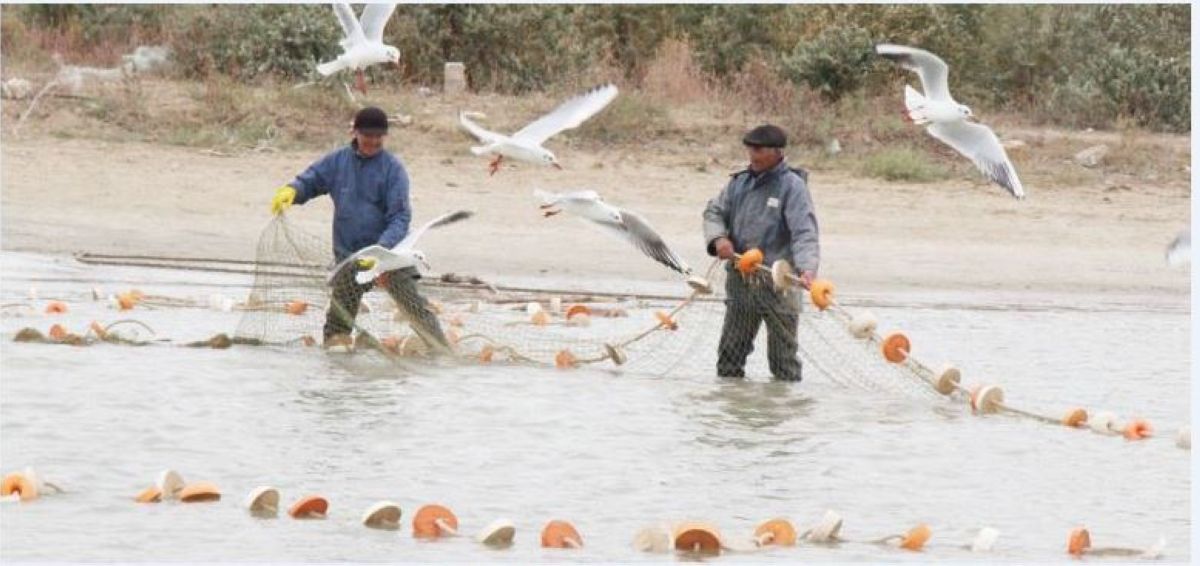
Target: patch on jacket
773	202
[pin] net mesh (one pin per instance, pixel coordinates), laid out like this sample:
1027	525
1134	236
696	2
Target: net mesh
404	319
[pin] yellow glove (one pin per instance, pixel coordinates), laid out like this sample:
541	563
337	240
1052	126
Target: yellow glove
284	197
365	263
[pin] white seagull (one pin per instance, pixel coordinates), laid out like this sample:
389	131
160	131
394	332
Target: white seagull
402	255
526	145
948	120
627	224
1179	253
363	44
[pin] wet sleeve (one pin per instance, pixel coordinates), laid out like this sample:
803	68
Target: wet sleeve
714	219
801	220
399	213
315	180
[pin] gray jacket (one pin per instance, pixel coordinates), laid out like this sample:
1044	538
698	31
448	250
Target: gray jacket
771	211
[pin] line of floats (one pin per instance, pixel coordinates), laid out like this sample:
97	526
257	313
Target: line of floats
435	521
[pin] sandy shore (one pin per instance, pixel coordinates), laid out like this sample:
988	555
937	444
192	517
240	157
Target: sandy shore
66	196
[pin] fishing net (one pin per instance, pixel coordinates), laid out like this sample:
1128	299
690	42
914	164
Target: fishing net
462	318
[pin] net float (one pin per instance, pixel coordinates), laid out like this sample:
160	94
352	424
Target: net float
169	484
98	330
58	332
821	293
580	320
750	261
533	308
433	521
1079	542
1075	418
616	354
1184	438
561	534
985	540
665	321
564	359
1100	423
578	310
863	325
987	399
296	308
700	538
383	515
22	485
947	380
539	318
700	285
498	533
777	532
198	492
1137	429
309	507
126	301
896	347
56	307
149	495
781	275
263	501
652	539
486	353
916	537
827	529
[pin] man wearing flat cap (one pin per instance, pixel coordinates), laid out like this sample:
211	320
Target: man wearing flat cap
766	206
369	188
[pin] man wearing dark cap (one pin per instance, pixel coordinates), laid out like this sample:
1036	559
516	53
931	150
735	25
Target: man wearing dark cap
766	206
369	188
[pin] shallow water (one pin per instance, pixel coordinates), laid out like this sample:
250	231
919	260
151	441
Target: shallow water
610	452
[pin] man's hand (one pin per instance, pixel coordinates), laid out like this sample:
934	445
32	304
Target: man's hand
806	279
364	263
724	248
284	197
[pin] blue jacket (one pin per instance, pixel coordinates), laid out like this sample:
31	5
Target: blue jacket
370	197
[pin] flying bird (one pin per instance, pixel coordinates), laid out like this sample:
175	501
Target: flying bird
1179	253
402	255
949	121
526	144
626	224
362	42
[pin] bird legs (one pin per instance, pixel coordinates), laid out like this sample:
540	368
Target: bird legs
360	81
494	166
548	210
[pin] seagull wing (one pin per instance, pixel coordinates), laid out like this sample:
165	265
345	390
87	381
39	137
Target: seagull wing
638	231
375	17
1180	250
448	218
477	131
350	28
376	251
569	114
981	146
932	70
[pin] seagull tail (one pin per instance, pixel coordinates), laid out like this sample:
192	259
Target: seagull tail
481	149
914	103
329	68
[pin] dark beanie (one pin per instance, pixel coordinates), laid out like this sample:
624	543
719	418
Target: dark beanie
371	120
766	135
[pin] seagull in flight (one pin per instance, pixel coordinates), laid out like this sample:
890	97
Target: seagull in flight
526	144
626	224
362	42
949	121
402	255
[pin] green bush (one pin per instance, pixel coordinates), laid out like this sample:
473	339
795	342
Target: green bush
834	63
902	164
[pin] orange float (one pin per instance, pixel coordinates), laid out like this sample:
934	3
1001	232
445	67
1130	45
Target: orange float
565	360
57	332
1137	429
126	301
776	531
560	534
697	537
296	308
149	495
1079	542
1075	418
916	537
750	261
486	354
539	318
821	293
577	310
433	521
309	507
56	307
199	491
896	347
665	321
21	485
98	330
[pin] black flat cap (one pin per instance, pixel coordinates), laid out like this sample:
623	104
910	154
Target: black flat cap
766	135
371	120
